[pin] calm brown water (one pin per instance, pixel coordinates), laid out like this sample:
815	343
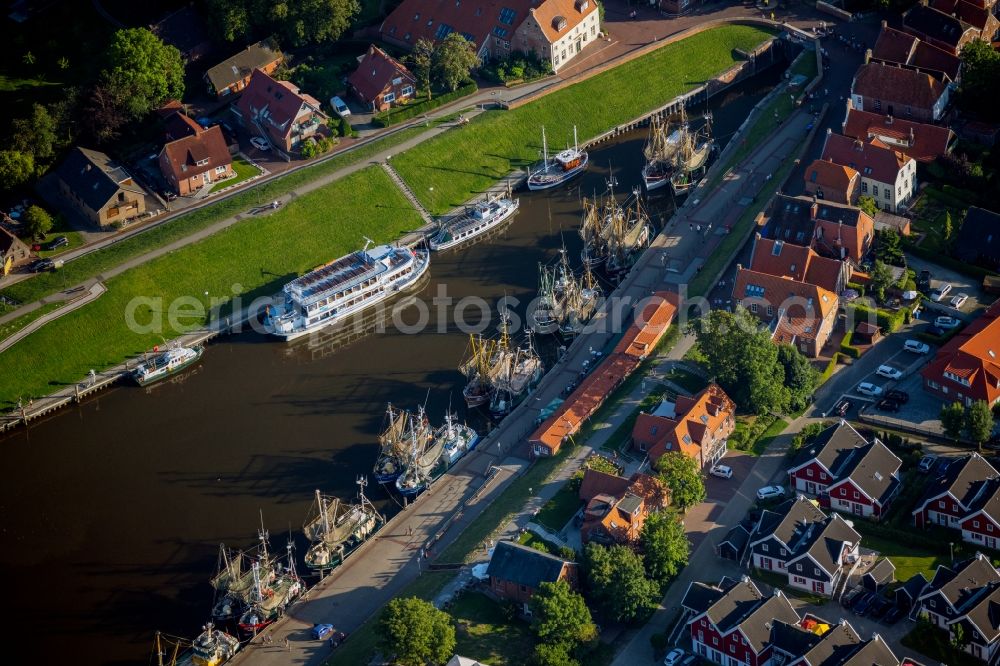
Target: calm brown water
112	511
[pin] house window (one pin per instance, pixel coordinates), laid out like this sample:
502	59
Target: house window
798	579
941	504
220	169
593	30
856	495
396	81
864	187
763	547
933	604
975	523
798	567
909	111
407	91
732	648
753	308
783	553
878	105
887	193
715	640
388	98
770	310
874	190
809	472
989	527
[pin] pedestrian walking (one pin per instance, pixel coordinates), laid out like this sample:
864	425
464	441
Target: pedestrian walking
288	646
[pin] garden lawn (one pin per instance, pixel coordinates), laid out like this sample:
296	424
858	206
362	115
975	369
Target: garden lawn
532	540
244	171
15	325
908	561
260	255
459	164
686	379
92	264
485	634
560	509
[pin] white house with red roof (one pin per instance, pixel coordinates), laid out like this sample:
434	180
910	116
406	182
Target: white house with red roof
921	141
887	175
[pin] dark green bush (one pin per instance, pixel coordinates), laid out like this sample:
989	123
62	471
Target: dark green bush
405	112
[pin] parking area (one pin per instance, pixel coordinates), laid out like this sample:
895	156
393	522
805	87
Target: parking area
920	411
960	284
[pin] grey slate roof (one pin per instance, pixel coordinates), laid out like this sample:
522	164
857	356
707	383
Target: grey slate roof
757	625
964	479
789	521
827	542
988	500
738	537
874	652
935	24
792	221
833	447
241	65
737	602
700	597
913	587
984	612
792	639
884	571
835	646
959	585
523	565
94	177
873	469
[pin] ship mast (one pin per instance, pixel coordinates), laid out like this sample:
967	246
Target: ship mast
545	151
576	144
323	512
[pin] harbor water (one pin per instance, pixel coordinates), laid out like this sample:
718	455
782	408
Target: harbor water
113	510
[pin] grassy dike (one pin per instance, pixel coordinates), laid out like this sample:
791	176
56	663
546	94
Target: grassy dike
260	255
458	165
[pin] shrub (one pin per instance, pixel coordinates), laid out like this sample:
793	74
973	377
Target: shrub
830	367
885	319
858	287
400	113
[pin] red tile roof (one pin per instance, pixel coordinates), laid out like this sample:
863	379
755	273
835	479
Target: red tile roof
177	126
894	45
900	47
376	73
798	262
434	19
550	11
601	483
276	103
964	11
972	355
872	159
897	85
922	142
797	299
830	176
696	419
184	154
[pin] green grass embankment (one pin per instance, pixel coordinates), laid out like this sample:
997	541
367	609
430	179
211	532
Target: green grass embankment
259	255
449	169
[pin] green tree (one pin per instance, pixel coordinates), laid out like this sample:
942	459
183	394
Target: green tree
881	280
888	247
800	376
36	134
868	204
561	615
421	60
948	227
952	420
454	58
980	73
142	71
16	168
979	422
665	546
958	638
37	221
742	358
302	22
681	474
103	113
617	582
553	654
416	632
231	19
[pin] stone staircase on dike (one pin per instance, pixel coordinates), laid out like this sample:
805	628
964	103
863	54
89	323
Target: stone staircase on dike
407	192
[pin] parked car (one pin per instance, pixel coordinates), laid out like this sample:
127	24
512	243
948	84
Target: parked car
889	372
321	631
936	331
770	492
916	347
43	265
864	603
842	408
924	280
869	389
893	616
260	144
927	463
722	471
902	397
947	322
887	405
848	597
959	301
938	294
674	657
880	606
62	241
339	107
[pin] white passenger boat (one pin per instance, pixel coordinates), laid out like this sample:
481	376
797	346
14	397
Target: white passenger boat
344	287
166	363
476	220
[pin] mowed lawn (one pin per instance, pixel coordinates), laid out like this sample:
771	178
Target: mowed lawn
257	255
451	168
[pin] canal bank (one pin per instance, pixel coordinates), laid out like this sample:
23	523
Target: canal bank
172	470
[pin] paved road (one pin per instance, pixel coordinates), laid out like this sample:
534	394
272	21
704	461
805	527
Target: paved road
82	296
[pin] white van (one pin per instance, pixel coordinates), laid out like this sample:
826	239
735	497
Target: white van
339	106
916	347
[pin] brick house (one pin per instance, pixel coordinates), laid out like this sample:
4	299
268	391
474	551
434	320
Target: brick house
966	368
196	161
978	240
896	47
924	143
731	623
797	313
831	229
800	263
853	475
832	182
233	74
98	188
516	572
898	91
616	508
278	112
799	541
966	594
381	81
13	252
949	497
951	24
697	426
887	175
557	30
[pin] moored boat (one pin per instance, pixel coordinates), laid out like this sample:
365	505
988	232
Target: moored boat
476	221
691	161
392	443
426	464
477	367
271	597
344	287
213	647
335	528
166	364
659	151
560	168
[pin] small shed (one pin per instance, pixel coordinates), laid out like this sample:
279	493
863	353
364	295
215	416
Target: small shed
881	574
735	544
866	333
908	593
885	221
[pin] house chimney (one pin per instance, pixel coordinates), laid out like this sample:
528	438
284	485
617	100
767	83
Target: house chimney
814	209
739	267
868	56
884	24
859	145
888	120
